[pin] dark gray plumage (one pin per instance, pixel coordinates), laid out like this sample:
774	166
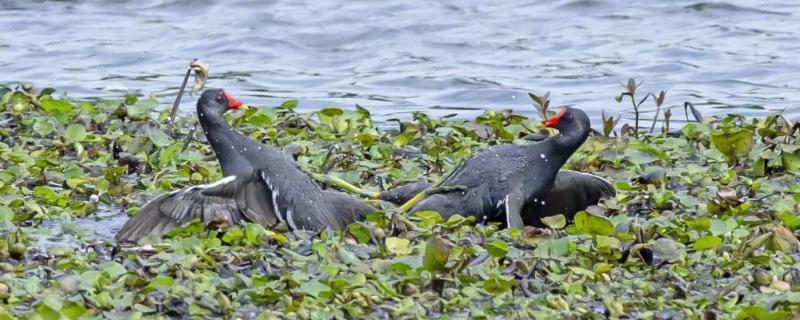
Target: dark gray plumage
572	191
504	182
261	185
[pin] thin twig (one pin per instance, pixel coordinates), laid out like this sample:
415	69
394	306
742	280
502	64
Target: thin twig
189	138
424	193
177	102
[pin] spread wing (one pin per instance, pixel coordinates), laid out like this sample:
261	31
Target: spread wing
230	200
572	191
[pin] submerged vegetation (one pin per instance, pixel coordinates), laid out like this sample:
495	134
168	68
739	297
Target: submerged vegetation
704	224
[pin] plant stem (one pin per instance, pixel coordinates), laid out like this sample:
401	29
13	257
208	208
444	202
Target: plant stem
178	99
655	119
635	115
344	185
433	189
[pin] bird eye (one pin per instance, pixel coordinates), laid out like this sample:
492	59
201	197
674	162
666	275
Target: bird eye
220	98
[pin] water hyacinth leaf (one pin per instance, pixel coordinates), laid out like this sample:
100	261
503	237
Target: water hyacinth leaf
791	221
707	242
761	313
760	167
6	214
649	149
783	240
733	144
316	289
72	310
289	104
142	109
56	107
398	246
43	127
254	232
437	252
791	160
668	249
360	232
604	242
327	114
755	244
225	274
587	223
550	248
497	248
233	236
158	137
75	133
558	221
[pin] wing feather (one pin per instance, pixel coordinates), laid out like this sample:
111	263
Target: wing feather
572	191
232	200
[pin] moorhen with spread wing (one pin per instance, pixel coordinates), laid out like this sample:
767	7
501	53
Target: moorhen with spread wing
523	183
261	185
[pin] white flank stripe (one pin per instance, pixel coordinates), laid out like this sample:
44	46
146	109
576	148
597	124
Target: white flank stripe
290	219
591	175
221	182
274	192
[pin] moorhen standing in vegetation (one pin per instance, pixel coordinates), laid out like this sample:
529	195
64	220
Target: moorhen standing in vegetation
523	183
261	185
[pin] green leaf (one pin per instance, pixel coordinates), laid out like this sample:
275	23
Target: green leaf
591	224
72	310
707	242
55	107
158	137
761	313
398	246
75	133
733	144
497	248
558	221
233	236
437	252
163	281
6	214
498	283
790	220
253	233
43	127
791	160
113	269
701	223
360	232
289	104
315	289
649	149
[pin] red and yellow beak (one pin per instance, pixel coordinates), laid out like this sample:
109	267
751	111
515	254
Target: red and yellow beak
234	103
552	122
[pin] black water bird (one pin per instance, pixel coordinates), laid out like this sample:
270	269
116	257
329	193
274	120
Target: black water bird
519	184
261	185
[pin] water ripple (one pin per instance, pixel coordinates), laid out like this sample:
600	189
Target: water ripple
396	57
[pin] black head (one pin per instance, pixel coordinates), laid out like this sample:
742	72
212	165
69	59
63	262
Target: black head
568	120
218	101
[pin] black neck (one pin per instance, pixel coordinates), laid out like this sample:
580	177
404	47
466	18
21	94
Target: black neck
221	136
566	142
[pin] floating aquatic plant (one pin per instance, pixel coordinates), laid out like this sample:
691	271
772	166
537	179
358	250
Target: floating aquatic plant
704	224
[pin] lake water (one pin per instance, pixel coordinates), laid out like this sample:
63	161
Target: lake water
395	57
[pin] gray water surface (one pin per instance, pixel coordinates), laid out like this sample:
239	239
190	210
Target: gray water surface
395	57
